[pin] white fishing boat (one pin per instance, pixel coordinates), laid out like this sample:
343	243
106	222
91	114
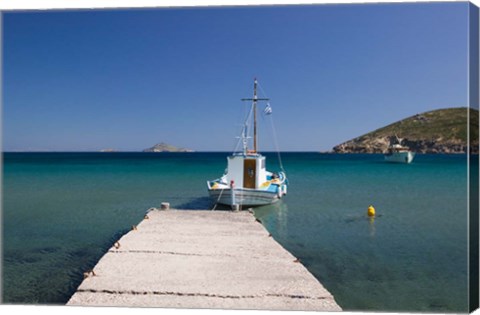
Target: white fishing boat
246	181
399	154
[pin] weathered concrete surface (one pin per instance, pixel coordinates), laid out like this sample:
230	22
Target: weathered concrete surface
202	259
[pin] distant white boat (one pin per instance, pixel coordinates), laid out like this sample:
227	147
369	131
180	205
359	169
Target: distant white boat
399	154
246	182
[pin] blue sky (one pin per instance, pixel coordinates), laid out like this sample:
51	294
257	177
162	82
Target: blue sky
127	79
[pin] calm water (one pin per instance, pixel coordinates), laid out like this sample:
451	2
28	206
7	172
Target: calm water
62	211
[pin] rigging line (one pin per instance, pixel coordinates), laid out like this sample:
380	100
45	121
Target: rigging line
237	145
238	142
275	142
261	89
244	118
245	125
277	147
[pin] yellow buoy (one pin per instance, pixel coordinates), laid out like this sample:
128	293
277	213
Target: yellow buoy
371	211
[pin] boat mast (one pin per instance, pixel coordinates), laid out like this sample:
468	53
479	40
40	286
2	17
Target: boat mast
255	115
255	99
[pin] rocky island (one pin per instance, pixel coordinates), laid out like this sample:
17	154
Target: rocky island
438	131
164	147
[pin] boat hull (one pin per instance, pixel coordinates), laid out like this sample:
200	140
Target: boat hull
400	157
243	197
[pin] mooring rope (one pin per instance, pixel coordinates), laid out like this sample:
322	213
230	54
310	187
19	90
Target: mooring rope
219	196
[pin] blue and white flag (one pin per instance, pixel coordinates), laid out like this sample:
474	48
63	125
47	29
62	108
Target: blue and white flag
268	109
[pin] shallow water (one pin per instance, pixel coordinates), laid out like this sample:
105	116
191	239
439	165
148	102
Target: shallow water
62	211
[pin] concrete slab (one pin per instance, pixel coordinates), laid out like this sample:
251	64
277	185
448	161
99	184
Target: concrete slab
202	259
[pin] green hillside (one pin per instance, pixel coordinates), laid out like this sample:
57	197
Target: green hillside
438	131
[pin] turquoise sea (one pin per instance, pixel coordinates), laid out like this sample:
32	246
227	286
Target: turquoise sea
62	211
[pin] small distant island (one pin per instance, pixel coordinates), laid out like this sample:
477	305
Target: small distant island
437	131
164	147
109	150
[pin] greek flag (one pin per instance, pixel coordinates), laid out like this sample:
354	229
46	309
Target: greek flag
268	109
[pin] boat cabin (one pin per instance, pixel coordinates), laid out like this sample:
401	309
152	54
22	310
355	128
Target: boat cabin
246	171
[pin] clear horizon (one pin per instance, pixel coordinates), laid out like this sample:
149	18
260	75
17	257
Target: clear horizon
87	80
113	150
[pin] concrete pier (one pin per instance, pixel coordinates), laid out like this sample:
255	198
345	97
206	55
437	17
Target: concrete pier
201	259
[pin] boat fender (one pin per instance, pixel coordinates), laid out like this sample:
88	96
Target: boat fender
116	245
371	211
